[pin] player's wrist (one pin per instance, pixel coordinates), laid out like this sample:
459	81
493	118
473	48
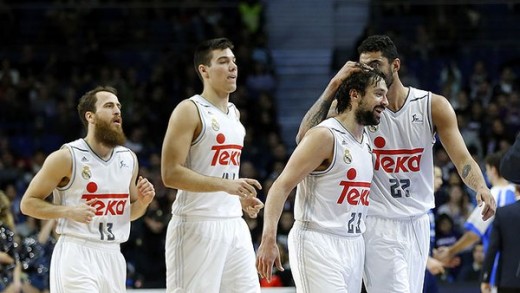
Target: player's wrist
269	237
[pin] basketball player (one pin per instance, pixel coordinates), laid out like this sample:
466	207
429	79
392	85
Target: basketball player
333	170
93	180
397	235
208	243
476	229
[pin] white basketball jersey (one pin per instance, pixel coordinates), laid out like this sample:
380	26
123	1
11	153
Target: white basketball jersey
216	153
335	200
108	182
403	153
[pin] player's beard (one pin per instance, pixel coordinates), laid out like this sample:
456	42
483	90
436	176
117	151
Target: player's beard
389	78
109	135
366	116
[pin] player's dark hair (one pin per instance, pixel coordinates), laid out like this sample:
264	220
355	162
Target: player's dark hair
379	43
87	103
493	160
203	52
358	81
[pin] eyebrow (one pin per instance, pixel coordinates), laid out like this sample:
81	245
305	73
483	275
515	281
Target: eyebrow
112	103
226	57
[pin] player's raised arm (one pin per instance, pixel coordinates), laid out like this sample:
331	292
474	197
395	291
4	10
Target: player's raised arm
325	106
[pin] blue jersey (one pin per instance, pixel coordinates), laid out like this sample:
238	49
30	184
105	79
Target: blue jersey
503	195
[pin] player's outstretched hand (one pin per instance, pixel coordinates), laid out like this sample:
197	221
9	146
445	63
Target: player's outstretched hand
484	197
267	255
243	187
251	206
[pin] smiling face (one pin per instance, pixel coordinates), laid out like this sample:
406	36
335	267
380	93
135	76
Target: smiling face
222	72
107	120
372	104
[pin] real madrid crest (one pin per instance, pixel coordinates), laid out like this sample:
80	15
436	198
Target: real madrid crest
214	124
86	174
373	128
347	157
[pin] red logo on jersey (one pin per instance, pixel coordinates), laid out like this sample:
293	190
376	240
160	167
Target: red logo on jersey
395	161
355	192
225	154
107	203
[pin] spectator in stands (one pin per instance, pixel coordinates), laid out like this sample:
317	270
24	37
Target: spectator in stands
10	268
35	256
471	272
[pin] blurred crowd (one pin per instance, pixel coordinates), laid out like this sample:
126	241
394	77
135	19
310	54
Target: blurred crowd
53	53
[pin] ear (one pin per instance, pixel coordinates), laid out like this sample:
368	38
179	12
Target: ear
203	70
354	95
89	116
396	65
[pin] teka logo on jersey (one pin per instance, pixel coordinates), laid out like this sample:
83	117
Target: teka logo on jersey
355	192
225	154
395	161
112	204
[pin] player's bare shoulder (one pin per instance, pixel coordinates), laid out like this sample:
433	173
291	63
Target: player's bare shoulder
185	115
185	108
442	111
58	165
319	140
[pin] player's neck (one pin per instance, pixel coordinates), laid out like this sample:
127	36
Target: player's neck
500	182
348	120
97	147
218	99
397	94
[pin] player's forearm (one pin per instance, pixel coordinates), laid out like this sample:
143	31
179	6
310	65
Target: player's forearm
469	238
272	212
319	110
472	175
137	209
183	178
43	210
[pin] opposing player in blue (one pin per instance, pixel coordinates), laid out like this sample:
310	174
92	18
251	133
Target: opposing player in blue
476	229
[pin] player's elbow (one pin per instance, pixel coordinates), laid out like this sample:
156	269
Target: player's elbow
299	136
171	176
25	206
